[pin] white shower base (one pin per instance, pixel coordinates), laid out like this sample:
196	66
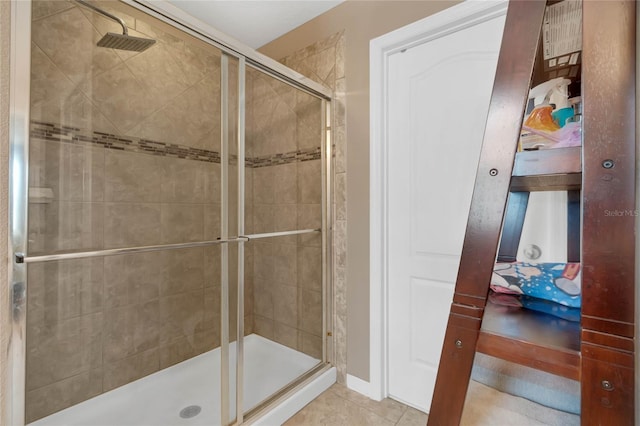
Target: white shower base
158	398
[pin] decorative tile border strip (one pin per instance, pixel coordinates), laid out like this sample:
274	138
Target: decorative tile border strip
58	133
286	158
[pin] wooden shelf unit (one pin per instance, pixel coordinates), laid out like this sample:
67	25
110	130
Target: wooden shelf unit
523	336
599	352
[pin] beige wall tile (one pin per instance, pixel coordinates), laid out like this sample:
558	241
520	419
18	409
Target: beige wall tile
49	399
312	345
309	113
181	315
212	188
285	217
132	279
120	97
286	335
36	296
212	228
197	61
185	181
308	138
59	349
340	337
131	177
248	324
212	262
161	77
311	312
73	226
340	195
275	184
323	62
340	243
126	370
340	56
102	23
285	304
263	301
309	216
276	262
132	224
130	330
186	347
211	316
310	268
69	39
187	119
73	172
340	148
73	287
263	326
264	218
181	271
41	9
182	223
340	293
309	182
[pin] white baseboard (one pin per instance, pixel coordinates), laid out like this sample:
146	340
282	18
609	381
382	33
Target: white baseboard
356	384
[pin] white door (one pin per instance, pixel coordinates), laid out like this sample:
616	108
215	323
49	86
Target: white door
438	97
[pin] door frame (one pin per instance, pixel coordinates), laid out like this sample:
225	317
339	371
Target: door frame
453	19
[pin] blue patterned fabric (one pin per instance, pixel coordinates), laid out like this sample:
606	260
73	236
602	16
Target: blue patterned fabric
556	282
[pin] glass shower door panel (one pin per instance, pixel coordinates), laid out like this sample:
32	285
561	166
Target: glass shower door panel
231	278
284	216
125	151
285	324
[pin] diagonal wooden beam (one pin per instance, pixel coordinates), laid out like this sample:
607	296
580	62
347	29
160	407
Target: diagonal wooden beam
510	93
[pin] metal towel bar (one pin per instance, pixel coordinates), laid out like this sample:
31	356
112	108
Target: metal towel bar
22	258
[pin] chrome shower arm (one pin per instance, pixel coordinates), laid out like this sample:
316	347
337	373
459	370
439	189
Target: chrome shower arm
107	14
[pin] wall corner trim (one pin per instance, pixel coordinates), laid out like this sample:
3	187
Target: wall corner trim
361	386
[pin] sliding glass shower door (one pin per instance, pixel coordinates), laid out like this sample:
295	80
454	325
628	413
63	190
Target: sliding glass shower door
176	241
283	221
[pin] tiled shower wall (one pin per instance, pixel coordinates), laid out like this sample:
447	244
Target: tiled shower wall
125	152
324	62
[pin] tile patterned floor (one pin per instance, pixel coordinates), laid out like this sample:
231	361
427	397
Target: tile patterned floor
341	406
484	406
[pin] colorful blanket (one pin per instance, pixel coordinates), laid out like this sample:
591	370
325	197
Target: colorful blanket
556	282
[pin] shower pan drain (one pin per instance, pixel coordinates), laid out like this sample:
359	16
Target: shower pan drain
190	411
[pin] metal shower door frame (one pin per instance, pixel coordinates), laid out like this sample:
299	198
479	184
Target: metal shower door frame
19	109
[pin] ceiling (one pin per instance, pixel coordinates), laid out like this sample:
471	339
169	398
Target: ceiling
255	22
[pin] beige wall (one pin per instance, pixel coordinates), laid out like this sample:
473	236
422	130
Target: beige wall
361	22
5	321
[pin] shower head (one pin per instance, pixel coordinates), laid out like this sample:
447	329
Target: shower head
119	41
125	42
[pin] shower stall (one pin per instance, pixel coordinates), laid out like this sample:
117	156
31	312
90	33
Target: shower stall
170	221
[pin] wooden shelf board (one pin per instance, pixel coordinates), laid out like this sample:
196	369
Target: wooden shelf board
548	162
532	339
557	169
556	182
